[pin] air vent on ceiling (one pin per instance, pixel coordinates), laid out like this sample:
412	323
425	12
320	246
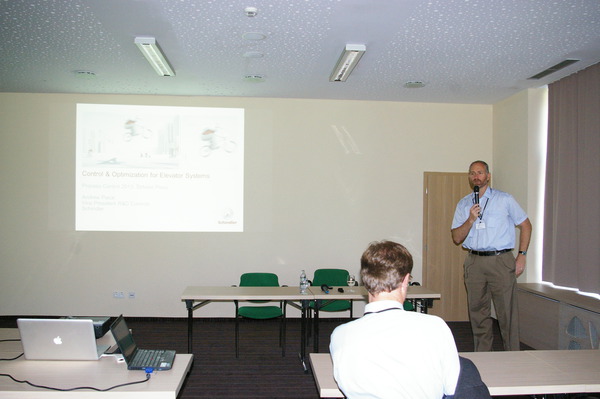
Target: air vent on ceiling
554	68
414	84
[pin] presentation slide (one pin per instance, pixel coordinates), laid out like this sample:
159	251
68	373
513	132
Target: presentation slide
153	168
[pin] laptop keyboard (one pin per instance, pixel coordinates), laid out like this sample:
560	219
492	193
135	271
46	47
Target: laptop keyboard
149	358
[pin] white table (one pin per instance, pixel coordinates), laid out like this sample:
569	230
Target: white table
196	297
322	368
505	373
421	295
539	372
102	373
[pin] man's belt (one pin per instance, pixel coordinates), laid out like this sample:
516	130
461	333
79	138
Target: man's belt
489	253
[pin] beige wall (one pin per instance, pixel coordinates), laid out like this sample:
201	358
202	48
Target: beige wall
322	180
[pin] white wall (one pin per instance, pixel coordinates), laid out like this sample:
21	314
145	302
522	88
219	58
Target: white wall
519	147
322	180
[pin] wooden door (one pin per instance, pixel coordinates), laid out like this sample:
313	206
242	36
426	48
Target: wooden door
442	260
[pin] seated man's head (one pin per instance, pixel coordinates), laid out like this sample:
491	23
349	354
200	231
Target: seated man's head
384	266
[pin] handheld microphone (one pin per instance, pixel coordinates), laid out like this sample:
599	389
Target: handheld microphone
325	288
476	194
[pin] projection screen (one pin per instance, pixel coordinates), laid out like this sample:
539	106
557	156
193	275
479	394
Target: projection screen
155	168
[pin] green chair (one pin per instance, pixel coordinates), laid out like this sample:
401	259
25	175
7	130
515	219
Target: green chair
262	312
411	304
331	277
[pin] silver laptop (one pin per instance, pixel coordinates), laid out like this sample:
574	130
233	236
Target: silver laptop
59	339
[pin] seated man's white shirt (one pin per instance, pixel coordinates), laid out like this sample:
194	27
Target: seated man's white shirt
394	354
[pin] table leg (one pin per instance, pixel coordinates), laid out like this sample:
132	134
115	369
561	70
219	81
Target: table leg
423	304
189	304
318	304
303	333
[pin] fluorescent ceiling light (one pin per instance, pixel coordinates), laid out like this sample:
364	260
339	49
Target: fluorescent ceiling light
155	57
348	60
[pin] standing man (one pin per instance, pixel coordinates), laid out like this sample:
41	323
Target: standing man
484	222
376	356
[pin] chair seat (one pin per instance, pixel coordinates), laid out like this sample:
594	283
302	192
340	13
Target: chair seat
260	312
339	305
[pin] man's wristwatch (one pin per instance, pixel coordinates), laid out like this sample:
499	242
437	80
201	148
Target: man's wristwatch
523	252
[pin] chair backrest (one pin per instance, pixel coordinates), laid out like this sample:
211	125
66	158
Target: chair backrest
259	280
330	277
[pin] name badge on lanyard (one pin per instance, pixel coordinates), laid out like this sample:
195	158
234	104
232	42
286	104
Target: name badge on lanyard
480	225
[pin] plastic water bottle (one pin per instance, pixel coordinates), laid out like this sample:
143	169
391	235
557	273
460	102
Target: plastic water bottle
303	282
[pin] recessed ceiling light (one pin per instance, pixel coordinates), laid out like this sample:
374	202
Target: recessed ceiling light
255	78
254	36
253	54
85	74
414	84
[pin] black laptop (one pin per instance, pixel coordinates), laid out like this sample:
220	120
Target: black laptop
139	359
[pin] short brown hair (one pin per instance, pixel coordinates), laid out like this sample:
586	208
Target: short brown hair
384	265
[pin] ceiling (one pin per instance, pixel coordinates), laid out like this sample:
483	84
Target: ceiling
465	51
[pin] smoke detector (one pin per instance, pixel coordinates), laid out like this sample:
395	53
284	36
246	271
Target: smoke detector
251	11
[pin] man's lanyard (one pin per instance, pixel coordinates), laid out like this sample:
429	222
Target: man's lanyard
487	200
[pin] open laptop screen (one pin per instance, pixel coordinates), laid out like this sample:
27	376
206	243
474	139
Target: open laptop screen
123	337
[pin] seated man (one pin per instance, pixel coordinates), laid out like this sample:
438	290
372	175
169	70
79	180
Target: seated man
390	352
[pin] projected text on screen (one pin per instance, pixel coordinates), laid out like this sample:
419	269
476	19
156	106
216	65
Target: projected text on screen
154	168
